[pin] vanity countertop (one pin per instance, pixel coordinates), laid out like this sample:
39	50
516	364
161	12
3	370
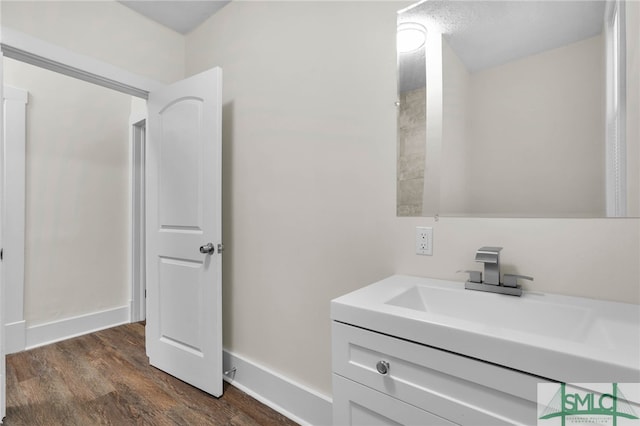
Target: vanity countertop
563	338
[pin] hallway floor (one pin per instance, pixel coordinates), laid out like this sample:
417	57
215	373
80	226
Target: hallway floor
105	378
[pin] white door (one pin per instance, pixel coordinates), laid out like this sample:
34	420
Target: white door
184	295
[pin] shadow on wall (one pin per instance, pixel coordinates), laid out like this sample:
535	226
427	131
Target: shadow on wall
227	222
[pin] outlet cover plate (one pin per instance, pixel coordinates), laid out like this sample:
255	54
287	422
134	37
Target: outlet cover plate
424	240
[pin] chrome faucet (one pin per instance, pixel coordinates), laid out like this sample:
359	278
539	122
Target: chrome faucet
490	256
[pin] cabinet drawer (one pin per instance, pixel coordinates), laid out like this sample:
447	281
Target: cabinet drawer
461	389
357	405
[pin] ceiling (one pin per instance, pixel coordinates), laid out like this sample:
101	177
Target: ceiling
180	15
488	33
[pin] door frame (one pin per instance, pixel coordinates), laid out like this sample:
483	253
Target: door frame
3	363
14	102
34	51
137	211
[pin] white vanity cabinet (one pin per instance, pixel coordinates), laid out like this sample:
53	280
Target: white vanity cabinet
423	385
420	351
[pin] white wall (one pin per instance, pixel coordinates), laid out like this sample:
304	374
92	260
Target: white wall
530	135
309	152
309	143
455	182
105	30
76	195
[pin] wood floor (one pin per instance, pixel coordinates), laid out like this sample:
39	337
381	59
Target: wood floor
104	378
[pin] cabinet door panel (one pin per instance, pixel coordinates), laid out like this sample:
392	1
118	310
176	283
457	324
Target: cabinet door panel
357	405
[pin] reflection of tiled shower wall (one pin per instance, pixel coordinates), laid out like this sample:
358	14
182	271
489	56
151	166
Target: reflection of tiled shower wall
412	120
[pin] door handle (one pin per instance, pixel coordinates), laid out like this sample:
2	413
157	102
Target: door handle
207	249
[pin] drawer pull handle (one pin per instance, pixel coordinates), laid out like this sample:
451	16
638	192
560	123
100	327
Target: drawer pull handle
382	367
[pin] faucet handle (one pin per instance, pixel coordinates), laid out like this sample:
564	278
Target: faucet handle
474	276
511	280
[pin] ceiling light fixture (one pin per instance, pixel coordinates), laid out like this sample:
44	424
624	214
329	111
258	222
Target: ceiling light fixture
411	36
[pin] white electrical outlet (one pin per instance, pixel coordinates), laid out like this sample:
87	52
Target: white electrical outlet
424	240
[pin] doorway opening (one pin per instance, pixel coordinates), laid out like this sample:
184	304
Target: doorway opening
182	219
82	252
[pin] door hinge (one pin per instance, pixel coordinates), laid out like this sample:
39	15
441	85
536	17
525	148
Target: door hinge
145	294
1	254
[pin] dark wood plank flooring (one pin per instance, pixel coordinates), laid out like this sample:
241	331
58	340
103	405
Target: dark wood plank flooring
105	378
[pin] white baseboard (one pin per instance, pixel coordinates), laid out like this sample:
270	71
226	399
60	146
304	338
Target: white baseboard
51	332
296	401
15	337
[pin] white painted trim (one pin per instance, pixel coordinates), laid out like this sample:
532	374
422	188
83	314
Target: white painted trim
3	364
15	94
616	152
46	55
137	263
15	337
15	135
293	400
51	332
137	117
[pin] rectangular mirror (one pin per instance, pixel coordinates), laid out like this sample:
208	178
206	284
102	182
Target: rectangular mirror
519	109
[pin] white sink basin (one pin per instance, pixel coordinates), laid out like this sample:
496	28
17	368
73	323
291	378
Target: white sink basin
528	315
572	339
